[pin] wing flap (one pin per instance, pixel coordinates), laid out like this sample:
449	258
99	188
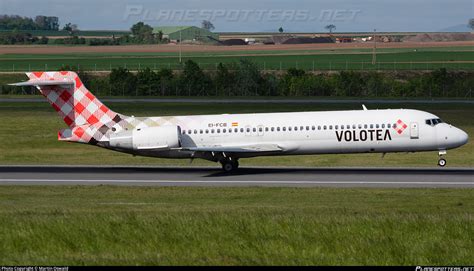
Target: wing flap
238	149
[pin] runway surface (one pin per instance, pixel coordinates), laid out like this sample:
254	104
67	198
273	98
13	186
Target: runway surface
258	101
200	176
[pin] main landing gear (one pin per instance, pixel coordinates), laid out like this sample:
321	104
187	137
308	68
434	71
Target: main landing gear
229	165
442	160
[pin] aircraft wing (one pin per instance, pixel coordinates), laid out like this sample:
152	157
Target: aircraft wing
255	148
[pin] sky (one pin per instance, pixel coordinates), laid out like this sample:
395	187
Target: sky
254	15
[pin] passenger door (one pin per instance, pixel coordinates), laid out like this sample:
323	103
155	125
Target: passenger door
414	131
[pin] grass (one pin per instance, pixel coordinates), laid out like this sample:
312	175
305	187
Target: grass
274	60
107	225
29	134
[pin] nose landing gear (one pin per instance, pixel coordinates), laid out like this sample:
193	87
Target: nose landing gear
442	160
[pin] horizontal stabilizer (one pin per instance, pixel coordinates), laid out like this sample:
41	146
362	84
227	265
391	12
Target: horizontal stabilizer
62	83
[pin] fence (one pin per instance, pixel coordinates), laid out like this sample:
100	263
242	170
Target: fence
263	66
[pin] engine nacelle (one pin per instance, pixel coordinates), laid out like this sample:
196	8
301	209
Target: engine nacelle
149	138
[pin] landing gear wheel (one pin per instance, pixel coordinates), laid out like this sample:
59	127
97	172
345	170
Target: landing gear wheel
442	162
229	166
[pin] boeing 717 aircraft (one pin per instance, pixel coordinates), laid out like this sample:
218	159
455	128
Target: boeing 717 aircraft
226	138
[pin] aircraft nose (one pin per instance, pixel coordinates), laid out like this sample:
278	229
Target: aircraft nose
462	137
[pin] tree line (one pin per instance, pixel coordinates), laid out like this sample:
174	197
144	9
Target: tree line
245	79
41	22
141	33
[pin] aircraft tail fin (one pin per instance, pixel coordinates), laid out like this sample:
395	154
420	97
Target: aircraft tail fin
88	118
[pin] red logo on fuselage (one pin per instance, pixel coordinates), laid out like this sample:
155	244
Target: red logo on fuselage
400	127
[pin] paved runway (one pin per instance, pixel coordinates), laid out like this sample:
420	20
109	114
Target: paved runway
200	176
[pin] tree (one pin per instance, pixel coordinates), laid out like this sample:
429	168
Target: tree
471	23
142	33
280	29
223	81
193	79
122	82
47	22
160	35
70	28
207	25
330	27
248	78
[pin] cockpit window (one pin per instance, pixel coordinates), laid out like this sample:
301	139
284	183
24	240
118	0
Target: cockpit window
433	122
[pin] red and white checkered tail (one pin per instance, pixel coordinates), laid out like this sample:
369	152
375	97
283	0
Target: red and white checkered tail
88	118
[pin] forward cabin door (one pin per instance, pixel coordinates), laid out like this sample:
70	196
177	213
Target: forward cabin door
414	134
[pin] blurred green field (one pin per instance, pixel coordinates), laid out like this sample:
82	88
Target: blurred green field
29	136
107	225
387	59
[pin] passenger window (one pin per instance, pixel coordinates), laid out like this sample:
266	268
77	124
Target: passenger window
284	129
348	126
254	129
184	132
319	127
371	126
365	126
289	128
266	129
278	129
230	130
218	131
353	126
207	131
212	131
223	131
195	131
307	128
201	131
330	127
336	127
190	132
272	129
248	130
383	125
325	127
313	128
241	130
236	130
260	129
360	126
296	128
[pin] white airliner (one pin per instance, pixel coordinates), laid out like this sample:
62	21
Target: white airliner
228	137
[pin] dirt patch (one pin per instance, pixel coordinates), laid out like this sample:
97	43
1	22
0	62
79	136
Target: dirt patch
437	37
48	49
